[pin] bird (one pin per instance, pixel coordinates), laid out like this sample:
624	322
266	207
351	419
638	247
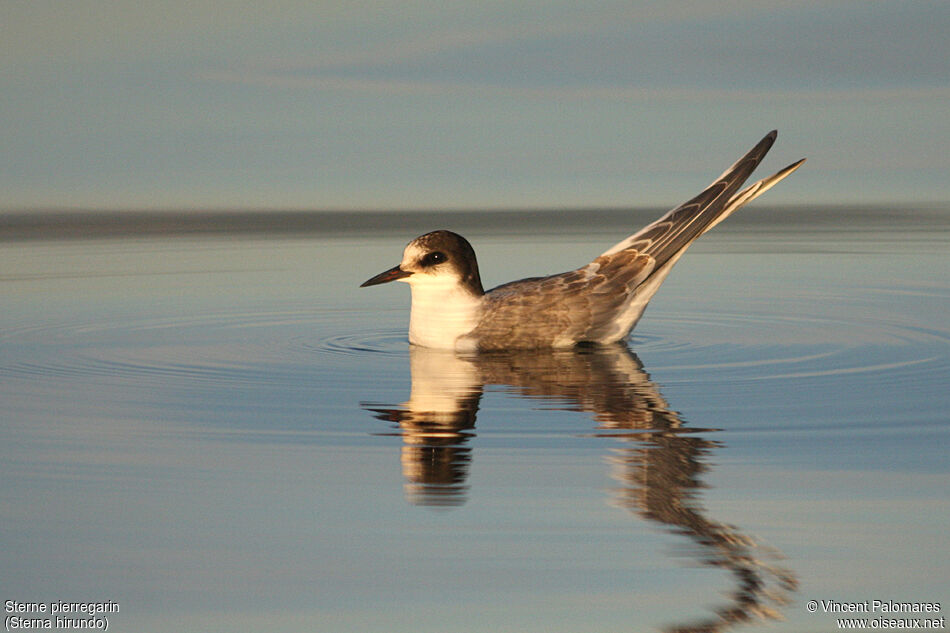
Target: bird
596	304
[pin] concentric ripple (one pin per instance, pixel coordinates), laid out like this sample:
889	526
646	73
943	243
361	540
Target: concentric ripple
249	346
763	346
390	342
225	347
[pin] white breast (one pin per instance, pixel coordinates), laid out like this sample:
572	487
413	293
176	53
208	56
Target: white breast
442	311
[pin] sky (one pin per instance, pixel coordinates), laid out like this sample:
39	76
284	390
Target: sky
458	104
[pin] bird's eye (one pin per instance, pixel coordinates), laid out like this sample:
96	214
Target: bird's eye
433	258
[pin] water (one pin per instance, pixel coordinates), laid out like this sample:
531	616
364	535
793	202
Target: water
221	432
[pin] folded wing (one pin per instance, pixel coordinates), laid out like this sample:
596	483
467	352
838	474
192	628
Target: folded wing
601	302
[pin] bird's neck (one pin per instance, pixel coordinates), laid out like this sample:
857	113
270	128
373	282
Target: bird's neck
442	312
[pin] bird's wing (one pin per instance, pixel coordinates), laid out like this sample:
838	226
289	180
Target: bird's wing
752	192
560	310
673	232
603	300
665	240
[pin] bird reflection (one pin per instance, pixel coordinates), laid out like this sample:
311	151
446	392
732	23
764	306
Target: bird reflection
657	465
436	424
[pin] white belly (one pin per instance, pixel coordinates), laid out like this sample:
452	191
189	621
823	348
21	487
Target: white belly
441	315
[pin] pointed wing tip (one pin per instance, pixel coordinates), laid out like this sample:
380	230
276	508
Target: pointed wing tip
768	139
792	167
758	188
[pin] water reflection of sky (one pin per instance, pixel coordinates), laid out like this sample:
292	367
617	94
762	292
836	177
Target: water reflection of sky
186	432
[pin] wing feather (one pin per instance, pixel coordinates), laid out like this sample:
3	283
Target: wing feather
602	301
677	229
569	307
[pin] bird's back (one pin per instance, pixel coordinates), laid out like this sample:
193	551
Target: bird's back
561	310
602	301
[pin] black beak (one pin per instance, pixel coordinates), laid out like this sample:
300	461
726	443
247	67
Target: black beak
392	274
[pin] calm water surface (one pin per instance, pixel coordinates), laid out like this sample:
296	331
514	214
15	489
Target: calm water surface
224	433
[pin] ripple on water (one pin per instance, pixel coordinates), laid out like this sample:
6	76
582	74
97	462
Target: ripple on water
763	346
219	347
251	346
391	342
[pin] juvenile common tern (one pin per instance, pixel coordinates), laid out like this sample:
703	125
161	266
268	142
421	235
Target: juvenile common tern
598	303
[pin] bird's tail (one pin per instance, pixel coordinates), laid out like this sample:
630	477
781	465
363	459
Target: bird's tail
666	239
668	236
752	192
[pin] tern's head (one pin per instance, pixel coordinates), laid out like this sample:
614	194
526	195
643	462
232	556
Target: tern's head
436	258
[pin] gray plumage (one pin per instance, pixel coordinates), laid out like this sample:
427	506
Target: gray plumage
597	303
